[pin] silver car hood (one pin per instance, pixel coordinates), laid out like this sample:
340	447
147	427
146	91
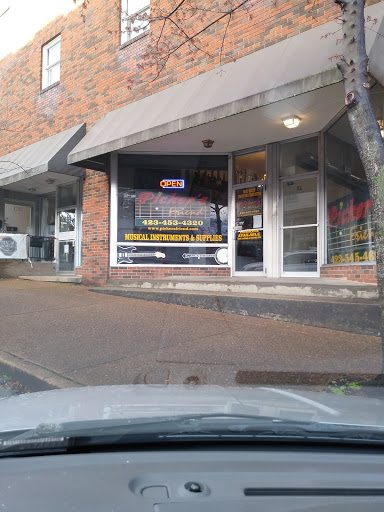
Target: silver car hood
146	401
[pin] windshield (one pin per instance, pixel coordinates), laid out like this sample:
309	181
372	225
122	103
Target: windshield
190	229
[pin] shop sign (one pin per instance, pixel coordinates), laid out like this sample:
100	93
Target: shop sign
172	209
166	237
350	234
347	212
249	202
249	234
172	184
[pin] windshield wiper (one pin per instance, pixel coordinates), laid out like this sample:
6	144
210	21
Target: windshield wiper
75	437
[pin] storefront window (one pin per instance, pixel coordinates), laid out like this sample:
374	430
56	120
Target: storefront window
350	237
174	206
250	167
299	157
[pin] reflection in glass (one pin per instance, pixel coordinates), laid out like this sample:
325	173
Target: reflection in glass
300	249
67	221
350	234
48	204
299	157
67	195
194	213
300	202
250	167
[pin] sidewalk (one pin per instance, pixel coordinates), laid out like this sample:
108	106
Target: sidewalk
66	336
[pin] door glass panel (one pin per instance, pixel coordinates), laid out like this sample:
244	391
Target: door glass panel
67	221
249	229
300	249
66	256
300	202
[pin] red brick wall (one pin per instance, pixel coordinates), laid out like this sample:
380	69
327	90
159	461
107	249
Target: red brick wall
95	239
167	271
360	273
96	73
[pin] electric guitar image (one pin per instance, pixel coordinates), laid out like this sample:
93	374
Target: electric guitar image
125	254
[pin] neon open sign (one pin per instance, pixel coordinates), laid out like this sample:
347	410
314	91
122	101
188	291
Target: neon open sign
172	183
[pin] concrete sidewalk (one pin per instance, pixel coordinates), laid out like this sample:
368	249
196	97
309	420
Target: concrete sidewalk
66	336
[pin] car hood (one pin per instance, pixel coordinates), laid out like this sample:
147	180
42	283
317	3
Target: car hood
150	401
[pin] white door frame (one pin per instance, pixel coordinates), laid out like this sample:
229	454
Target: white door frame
299	177
71	236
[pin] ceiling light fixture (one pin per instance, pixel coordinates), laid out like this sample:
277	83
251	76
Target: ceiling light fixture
292	122
50	181
208	143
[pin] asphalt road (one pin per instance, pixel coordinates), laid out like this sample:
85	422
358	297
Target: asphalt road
95	339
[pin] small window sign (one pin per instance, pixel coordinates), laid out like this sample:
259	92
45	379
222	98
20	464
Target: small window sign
172	183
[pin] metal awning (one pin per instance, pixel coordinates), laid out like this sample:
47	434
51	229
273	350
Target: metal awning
47	155
297	65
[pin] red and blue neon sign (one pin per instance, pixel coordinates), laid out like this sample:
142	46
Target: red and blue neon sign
172	183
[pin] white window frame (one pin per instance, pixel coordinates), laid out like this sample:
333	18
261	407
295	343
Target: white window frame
126	33
46	68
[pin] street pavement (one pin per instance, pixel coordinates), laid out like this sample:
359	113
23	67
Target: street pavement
76	337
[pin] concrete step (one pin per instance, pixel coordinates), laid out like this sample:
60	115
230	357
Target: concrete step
361	316
12	269
293	287
54	279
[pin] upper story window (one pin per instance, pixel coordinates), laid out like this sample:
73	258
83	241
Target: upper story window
134	20
51	63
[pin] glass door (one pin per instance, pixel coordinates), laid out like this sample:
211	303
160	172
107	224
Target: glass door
299	226
66	240
67	210
249	229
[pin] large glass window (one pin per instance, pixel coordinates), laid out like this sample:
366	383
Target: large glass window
350	237
170	201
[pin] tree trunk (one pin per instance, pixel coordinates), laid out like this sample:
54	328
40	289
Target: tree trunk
370	145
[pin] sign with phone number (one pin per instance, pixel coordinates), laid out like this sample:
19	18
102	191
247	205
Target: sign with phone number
354	257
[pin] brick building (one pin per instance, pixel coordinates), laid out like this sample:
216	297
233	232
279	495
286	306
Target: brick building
240	162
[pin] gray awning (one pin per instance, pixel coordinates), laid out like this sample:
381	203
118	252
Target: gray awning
47	155
303	63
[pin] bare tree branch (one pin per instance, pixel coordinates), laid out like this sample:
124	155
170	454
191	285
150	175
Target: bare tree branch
4	12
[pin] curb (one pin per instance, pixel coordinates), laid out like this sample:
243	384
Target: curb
33	376
355	317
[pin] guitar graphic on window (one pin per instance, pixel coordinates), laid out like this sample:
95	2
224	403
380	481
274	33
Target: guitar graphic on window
125	254
221	256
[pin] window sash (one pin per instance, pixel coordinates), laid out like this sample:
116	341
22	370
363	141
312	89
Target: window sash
128	26
51	69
